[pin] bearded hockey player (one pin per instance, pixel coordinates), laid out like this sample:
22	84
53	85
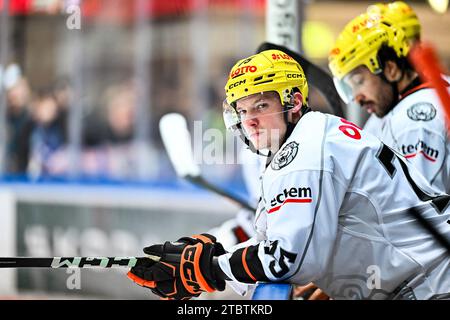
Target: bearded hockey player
370	66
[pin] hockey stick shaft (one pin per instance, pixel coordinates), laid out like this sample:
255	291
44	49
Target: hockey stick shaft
177	141
430	228
72	262
198	180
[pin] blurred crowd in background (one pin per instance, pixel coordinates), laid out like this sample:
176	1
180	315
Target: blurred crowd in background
38	132
85	101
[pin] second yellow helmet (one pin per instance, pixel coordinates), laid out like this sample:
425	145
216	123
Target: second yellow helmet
359	43
401	14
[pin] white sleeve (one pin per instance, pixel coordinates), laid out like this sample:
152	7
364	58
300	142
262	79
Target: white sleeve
425	149
302	219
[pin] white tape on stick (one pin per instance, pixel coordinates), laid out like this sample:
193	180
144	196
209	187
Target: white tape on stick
177	140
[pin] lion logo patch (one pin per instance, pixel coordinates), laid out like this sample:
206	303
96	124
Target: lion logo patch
422	111
285	156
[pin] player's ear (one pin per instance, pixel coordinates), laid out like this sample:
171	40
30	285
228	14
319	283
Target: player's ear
392	72
298	102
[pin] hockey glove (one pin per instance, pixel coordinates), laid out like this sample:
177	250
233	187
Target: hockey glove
185	268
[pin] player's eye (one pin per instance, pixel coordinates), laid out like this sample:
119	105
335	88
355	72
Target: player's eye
261	107
358	80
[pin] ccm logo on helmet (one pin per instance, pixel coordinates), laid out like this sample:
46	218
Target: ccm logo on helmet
292	195
242	70
236	84
293	75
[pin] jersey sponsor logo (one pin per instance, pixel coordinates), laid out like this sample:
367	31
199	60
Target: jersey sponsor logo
422	111
290	195
412	150
285	156
350	129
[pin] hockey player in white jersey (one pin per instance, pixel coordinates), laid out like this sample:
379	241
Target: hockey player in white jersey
334	208
370	66
406	18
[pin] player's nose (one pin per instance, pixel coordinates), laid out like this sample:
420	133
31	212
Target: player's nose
251	121
359	98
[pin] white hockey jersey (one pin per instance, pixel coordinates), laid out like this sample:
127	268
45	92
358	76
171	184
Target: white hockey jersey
373	125
253	166
416	128
334	212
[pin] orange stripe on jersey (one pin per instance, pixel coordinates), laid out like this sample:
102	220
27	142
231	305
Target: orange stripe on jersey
426	85
244	263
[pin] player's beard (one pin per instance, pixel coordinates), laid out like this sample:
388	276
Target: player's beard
385	102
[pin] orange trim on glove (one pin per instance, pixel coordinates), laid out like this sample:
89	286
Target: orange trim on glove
140	281
190	271
202	238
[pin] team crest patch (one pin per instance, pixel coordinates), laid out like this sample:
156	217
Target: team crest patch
422	111
285	156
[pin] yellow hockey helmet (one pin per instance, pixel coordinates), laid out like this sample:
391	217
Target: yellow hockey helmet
270	70
359	43
401	14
